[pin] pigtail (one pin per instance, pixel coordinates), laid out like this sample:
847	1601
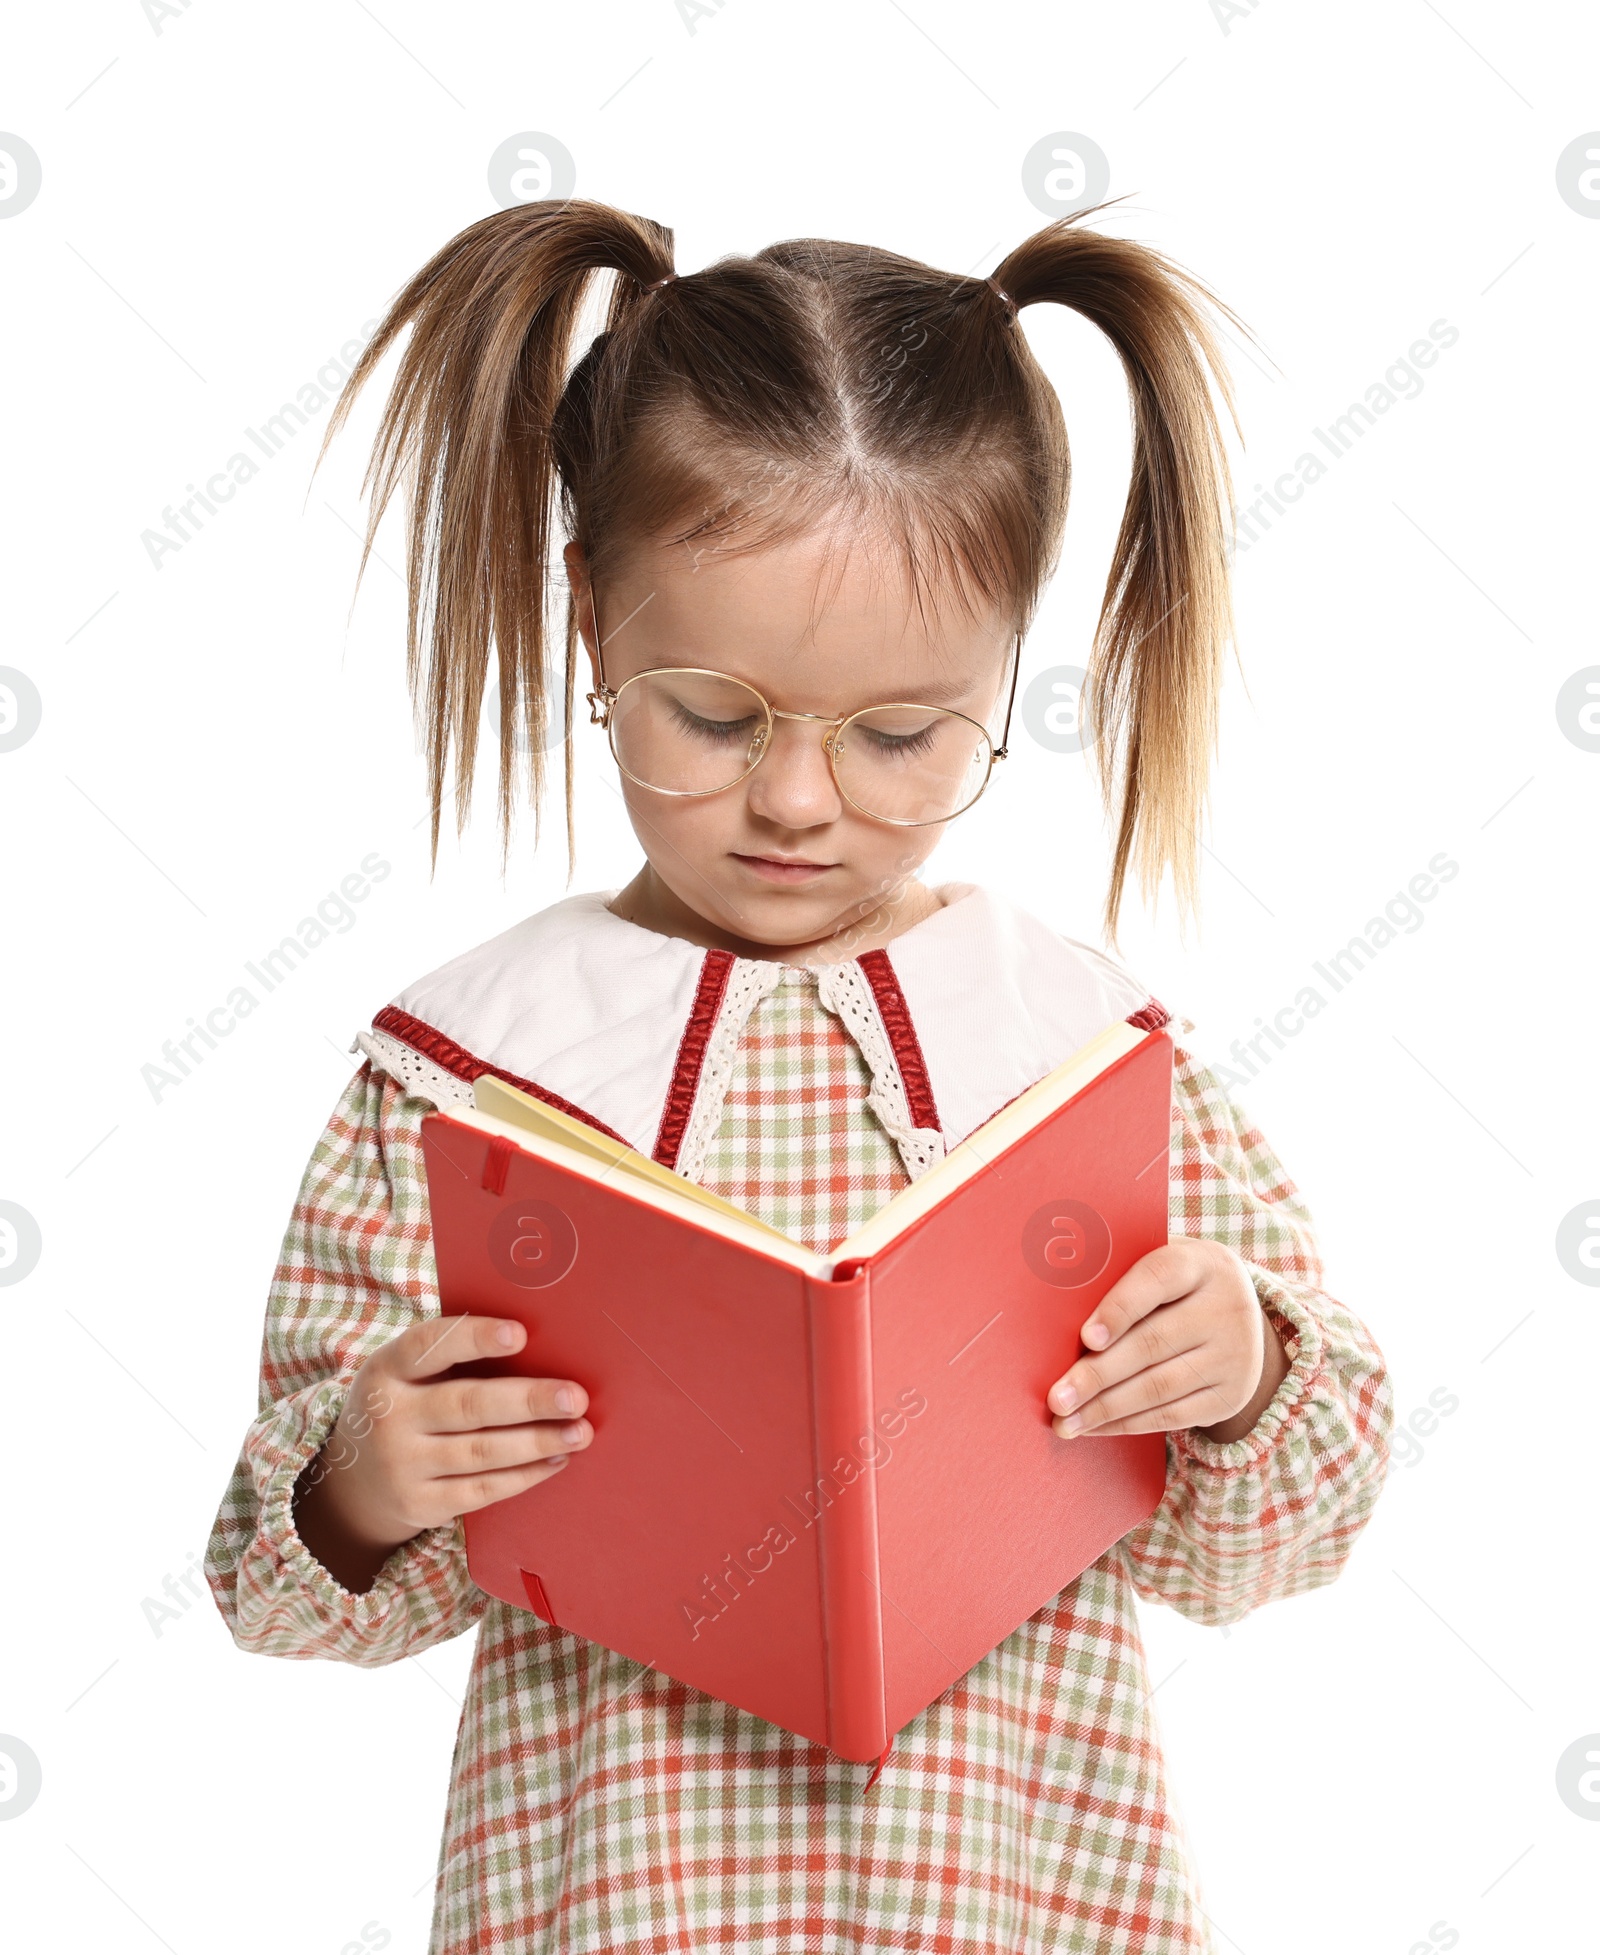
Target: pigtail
1156	669
466	433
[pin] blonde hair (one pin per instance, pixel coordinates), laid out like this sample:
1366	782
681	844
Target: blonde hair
857	378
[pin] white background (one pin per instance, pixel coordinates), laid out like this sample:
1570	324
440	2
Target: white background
229	192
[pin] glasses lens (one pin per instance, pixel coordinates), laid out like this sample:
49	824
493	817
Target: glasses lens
687	732
911	763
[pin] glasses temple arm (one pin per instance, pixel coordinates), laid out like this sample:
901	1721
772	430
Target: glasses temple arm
1016	667
599	649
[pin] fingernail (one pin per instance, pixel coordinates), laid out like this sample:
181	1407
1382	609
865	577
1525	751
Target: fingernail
566	1401
1096	1336
1074	1424
1064	1398
506	1335
557	1459
571	1434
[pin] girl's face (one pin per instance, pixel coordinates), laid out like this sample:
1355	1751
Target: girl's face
781	858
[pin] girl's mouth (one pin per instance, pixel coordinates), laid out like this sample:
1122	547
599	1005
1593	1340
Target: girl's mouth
784	869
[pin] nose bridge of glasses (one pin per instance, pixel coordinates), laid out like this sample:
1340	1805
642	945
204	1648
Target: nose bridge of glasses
828	719
763	739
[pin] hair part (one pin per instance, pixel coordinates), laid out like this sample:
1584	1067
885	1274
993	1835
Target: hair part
745	404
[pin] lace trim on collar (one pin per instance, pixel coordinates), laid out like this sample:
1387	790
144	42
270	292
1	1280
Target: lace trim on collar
748	983
421	1077
844	990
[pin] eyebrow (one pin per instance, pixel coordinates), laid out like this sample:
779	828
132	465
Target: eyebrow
932	693
918	694
936	695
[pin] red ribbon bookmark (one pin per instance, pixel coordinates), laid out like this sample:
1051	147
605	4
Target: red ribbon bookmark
495	1162
538	1601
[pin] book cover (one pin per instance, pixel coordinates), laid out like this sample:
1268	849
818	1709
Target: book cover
819	1488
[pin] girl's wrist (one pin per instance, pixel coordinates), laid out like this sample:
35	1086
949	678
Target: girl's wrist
343	1541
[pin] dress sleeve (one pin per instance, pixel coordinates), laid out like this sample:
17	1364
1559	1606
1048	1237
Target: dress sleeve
1274	1513
356	1268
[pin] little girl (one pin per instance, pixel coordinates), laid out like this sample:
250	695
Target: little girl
811	500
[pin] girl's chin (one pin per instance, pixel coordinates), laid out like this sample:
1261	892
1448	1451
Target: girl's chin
815	913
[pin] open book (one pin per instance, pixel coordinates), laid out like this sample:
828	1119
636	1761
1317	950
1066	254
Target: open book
821	1487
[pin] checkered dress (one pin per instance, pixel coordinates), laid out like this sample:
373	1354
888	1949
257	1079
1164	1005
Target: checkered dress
797	1145
596	1805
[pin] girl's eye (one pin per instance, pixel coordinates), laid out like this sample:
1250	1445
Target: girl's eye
902	746
714	732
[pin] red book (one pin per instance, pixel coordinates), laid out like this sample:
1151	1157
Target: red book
820	1488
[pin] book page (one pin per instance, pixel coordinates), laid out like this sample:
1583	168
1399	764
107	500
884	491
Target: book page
536	1117
724	1219
556	1136
986	1143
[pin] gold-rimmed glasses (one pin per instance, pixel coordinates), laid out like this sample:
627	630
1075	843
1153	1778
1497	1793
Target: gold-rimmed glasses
689	730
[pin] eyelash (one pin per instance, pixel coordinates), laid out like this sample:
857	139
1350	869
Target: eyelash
896	746
717	731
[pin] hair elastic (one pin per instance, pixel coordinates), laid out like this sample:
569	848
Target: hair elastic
656	287
1004	296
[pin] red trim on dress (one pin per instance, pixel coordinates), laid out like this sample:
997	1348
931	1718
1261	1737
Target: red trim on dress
1150	1017
708	997
453	1058
896	1016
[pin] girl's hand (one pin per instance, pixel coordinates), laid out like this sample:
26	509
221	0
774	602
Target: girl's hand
412	1450
1178	1340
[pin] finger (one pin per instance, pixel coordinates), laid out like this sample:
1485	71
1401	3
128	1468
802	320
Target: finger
424	1350
464	1404
451	1455
1198	1409
1162	1337
1159	1385
467	1494
1162	1276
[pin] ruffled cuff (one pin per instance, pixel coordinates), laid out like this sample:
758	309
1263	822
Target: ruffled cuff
1301	1337
284	1592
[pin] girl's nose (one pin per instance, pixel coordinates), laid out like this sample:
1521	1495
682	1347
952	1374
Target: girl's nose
794	786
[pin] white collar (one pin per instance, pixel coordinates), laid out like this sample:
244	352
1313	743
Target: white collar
999	999
594	1010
